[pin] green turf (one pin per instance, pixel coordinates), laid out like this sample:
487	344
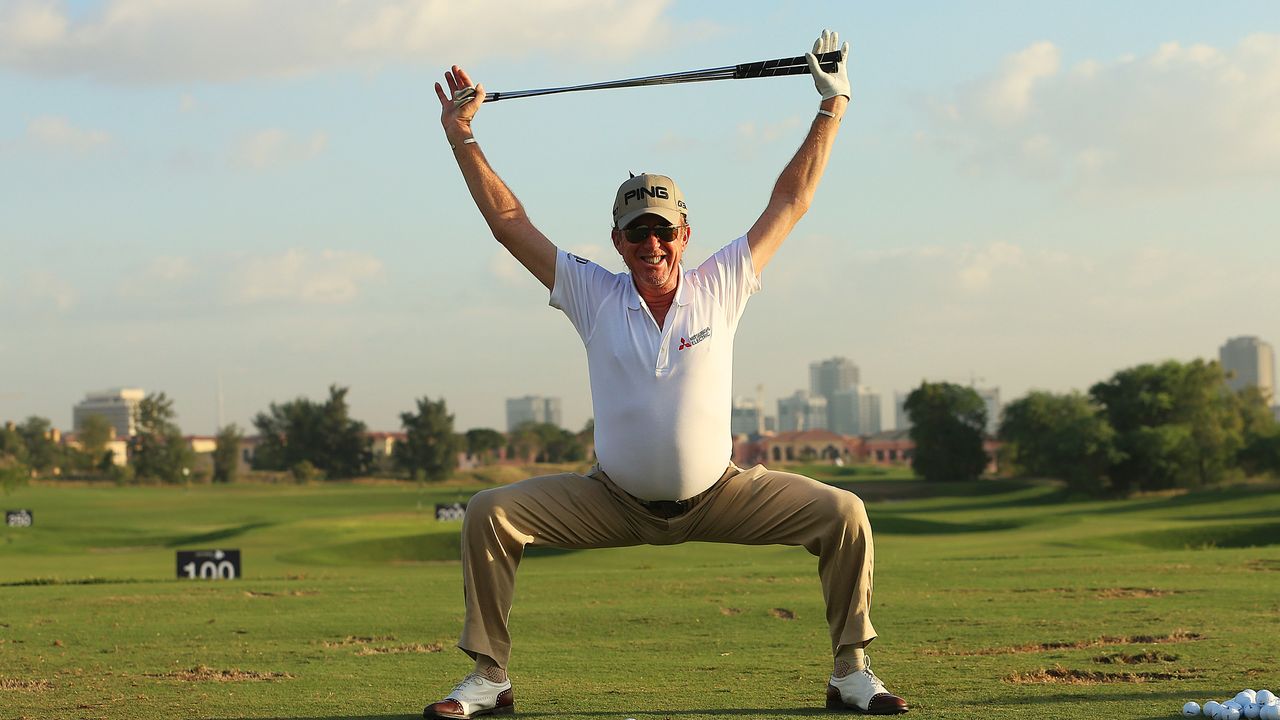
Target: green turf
989	596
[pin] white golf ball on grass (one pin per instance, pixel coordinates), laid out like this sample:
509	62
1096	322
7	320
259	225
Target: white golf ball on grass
1191	709
1269	712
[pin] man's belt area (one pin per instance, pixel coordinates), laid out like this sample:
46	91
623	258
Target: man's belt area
668	509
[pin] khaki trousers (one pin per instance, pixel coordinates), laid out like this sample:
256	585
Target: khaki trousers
748	507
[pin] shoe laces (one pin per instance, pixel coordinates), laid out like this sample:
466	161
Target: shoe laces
472	679
876	683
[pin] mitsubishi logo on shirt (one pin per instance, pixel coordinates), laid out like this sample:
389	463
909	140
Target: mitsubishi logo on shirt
701	335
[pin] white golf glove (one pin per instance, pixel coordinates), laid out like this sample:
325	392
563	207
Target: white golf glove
835	83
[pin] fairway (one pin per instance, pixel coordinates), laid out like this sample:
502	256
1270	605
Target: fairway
993	599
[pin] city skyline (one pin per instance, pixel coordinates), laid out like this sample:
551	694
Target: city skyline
1039	198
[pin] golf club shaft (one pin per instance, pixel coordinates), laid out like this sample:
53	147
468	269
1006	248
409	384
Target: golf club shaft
762	68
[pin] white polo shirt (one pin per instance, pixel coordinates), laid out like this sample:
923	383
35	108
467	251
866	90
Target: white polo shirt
662	396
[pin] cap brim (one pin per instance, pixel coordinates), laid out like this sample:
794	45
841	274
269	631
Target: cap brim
672	215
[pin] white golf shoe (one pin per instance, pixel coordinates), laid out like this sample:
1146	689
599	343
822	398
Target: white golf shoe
475	696
864	692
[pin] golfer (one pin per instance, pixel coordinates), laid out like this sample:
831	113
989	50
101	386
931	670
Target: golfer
659	344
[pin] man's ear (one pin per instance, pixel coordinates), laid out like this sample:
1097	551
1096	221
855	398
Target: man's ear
616	235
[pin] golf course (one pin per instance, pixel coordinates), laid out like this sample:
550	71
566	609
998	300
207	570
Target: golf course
998	598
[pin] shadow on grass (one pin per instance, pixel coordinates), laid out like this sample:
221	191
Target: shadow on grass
898	525
216	535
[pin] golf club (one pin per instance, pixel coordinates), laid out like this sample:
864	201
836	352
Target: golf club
762	68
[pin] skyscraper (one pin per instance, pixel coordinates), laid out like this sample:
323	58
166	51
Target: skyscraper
855	411
746	417
1249	362
532	408
829	377
118	405
802	411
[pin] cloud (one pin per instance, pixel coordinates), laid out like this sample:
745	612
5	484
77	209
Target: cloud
1179	118
173	41
160	274
274	148
57	132
46	289
330	278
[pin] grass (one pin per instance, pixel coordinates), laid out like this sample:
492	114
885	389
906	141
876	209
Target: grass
997	598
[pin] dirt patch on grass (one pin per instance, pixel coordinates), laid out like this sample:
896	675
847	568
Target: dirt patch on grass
782	613
397	649
1122	593
291	593
730	612
25	685
1264	565
1065	676
1149	656
356	640
203	673
1173	637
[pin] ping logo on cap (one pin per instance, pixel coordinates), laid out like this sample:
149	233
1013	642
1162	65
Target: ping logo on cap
657	191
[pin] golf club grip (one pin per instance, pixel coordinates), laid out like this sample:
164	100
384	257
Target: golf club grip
785	66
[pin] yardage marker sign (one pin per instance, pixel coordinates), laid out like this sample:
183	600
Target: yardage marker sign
18	518
208	564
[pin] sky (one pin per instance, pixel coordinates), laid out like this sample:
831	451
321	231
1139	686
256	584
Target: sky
258	196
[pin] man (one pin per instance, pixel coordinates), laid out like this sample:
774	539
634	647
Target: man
659	344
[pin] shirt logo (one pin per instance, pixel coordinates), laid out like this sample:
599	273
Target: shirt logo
701	335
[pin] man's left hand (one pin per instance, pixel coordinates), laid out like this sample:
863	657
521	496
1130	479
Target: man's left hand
830	84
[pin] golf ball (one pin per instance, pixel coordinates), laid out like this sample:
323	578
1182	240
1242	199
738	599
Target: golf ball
1251	710
1235	704
1191	709
1211	708
1244	697
1231	714
1264	697
1270	712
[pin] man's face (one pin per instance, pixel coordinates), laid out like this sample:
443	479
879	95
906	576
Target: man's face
653	263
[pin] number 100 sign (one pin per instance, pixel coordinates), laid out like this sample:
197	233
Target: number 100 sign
208	564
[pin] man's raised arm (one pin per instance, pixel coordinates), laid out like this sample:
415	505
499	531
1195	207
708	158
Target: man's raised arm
799	180
501	210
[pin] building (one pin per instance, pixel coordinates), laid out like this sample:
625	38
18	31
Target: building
802	411
746	417
991	398
118	405
532	408
901	420
829	377
855	411
1249	362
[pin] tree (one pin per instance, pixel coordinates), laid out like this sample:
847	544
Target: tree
947	421
430	449
1176	424
320	433
13	474
226	453
43	454
1260	447
1061	436
158	450
484	443
94	434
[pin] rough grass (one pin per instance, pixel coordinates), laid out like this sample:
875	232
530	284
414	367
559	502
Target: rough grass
993	599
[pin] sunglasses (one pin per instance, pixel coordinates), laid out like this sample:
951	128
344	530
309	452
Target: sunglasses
640	233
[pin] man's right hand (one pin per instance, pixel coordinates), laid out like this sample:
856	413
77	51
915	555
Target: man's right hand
460	105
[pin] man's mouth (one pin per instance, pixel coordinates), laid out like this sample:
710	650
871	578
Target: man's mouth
653	259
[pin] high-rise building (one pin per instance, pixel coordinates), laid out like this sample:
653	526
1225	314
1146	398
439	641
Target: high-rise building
746	417
802	411
1249	362
828	377
855	411
532	408
118	405
901	420
991	398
